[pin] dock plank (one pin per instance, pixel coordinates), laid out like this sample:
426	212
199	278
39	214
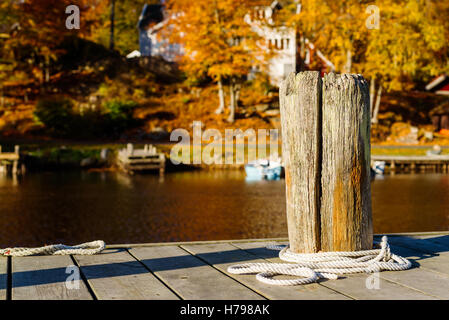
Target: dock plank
428	282
443	239
3	277
353	286
115	274
425	260
224	255
424	245
44	278
190	277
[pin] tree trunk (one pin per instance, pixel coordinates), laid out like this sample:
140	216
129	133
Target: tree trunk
47	69
377	106
372	92
237	89
300	98
221	98
346	219
232	101
111	36
348	65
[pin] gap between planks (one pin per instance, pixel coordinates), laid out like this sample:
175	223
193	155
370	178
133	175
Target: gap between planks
191	277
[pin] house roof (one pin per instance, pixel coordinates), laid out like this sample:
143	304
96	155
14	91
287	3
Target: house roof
438	83
151	13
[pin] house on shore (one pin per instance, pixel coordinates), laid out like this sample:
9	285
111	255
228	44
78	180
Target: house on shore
440	114
151	21
439	85
293	52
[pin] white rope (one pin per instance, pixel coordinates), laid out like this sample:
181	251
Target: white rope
329	265
88	248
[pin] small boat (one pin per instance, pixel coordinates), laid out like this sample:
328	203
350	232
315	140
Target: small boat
435	151
263	169
379	167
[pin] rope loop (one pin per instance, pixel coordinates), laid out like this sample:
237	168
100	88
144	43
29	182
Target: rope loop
88	248
329	265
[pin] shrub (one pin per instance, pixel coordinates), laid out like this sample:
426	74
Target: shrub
60	119
56	114
119	115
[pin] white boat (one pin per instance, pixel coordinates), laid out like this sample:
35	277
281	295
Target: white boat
263	169
379	167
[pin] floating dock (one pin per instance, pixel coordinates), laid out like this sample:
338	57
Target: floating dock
146	159
198	270
433	163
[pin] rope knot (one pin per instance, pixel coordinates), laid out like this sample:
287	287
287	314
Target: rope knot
385	249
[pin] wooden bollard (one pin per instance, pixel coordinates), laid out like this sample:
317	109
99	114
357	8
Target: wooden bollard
300	97
326	151
346	218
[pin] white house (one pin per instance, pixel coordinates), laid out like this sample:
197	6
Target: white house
151	21
279	38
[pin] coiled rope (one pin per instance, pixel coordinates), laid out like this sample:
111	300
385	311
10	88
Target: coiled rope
328	265
88	248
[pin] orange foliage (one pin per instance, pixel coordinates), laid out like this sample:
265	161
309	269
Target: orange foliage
217	39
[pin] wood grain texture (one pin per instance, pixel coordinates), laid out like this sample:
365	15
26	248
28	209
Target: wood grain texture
115	274
300	97
346	219
44	278
190	277
3	277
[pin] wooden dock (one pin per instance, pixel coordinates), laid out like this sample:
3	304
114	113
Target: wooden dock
434	163
146	159
9	161
198	270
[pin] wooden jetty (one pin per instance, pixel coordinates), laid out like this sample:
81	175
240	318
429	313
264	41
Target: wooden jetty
9	161
131	160
434	163
198	270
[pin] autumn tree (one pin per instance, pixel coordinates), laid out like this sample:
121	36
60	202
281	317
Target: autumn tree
411	44
41	27
410	39
126	17
218	42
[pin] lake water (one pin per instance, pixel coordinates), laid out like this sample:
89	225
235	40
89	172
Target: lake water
75	207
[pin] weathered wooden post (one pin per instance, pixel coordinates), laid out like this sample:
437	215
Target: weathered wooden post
15	163
130	149
326	151
300	98
346	219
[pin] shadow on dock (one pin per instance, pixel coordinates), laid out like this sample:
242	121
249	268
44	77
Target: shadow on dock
415	249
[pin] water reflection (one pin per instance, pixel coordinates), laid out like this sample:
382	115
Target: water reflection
74	207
